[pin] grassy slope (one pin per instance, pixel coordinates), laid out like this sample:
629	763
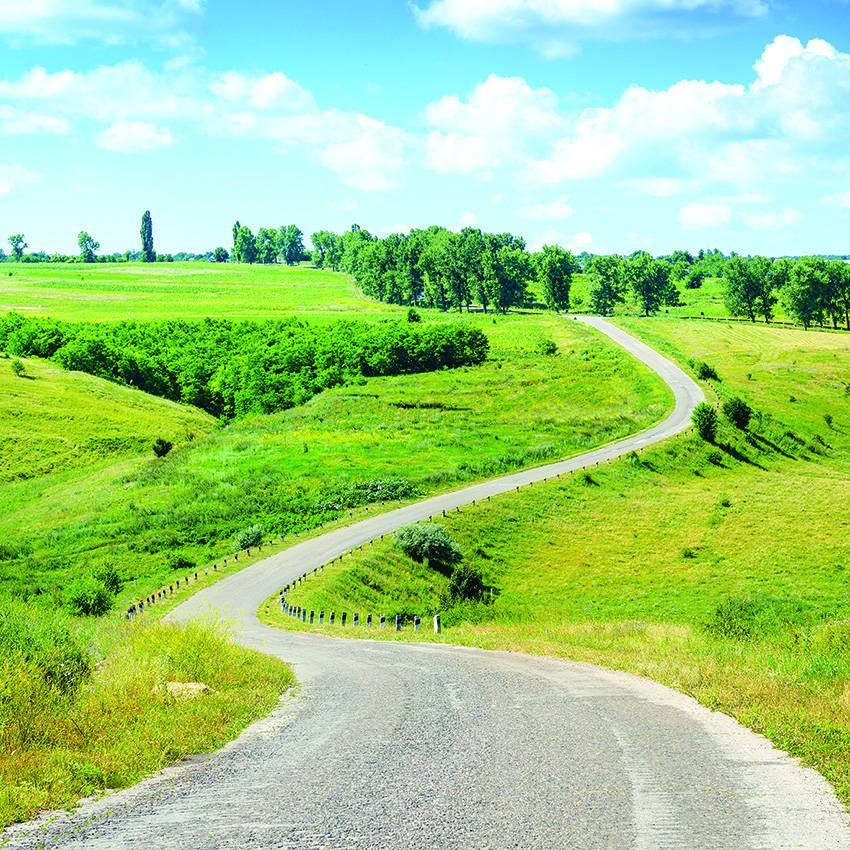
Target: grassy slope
625	569
437	429
52	421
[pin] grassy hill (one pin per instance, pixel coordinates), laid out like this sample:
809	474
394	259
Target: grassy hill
292	470
52	421
718	569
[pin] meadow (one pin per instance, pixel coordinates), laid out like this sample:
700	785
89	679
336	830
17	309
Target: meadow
718	569
111	292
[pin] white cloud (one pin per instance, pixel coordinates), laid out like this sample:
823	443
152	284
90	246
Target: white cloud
134	137
369	158
558	209
557	27
12	176
468	219
773	221
14	122
491	128
657	187
270	92
704	216
168	22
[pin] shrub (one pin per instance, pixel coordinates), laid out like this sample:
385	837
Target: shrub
743	618
18	368
427	540
466	583
704	418
547	347
413	315
737	411
108	576
703	371
88	597
250	536
161	447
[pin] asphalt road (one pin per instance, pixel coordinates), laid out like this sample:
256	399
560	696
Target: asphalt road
393	745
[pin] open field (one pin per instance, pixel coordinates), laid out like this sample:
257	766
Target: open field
106	292
626	567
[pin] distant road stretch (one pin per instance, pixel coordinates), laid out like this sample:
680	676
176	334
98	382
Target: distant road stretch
397	746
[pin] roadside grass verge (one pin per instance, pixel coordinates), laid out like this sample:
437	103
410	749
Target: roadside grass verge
362	444
718	569
118	723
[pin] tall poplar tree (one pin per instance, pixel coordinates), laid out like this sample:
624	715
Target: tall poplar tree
148	253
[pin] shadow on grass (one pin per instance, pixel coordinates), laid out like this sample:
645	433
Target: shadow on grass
768	445
736	455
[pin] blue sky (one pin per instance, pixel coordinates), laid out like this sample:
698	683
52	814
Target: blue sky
601	126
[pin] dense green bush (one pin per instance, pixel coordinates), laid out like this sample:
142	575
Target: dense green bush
704	418
737	411
250	536
86	596
427	540
234	368
161	447
743	618
466	583
703	371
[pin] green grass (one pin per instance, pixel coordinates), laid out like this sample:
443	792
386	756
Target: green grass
287	471
627	567
122	725
118	291
52	421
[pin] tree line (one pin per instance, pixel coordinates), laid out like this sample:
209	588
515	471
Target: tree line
230	369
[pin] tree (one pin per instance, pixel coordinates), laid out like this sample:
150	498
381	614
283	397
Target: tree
555	268
650	282
246	246
88	246
839	275
802	293
747	287
325	249
737	411
606	284
148	253
18	245
220	255
704	418
236	228
291	244
268	245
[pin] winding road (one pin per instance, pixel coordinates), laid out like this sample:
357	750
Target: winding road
394	745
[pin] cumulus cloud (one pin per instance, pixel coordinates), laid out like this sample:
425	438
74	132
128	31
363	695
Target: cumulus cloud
704	216
491	128
773	221
134	137
15	122
793	117
12	176
166	22
268	92
557	27
558	209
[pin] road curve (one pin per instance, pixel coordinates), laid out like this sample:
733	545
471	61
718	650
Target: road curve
394	745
